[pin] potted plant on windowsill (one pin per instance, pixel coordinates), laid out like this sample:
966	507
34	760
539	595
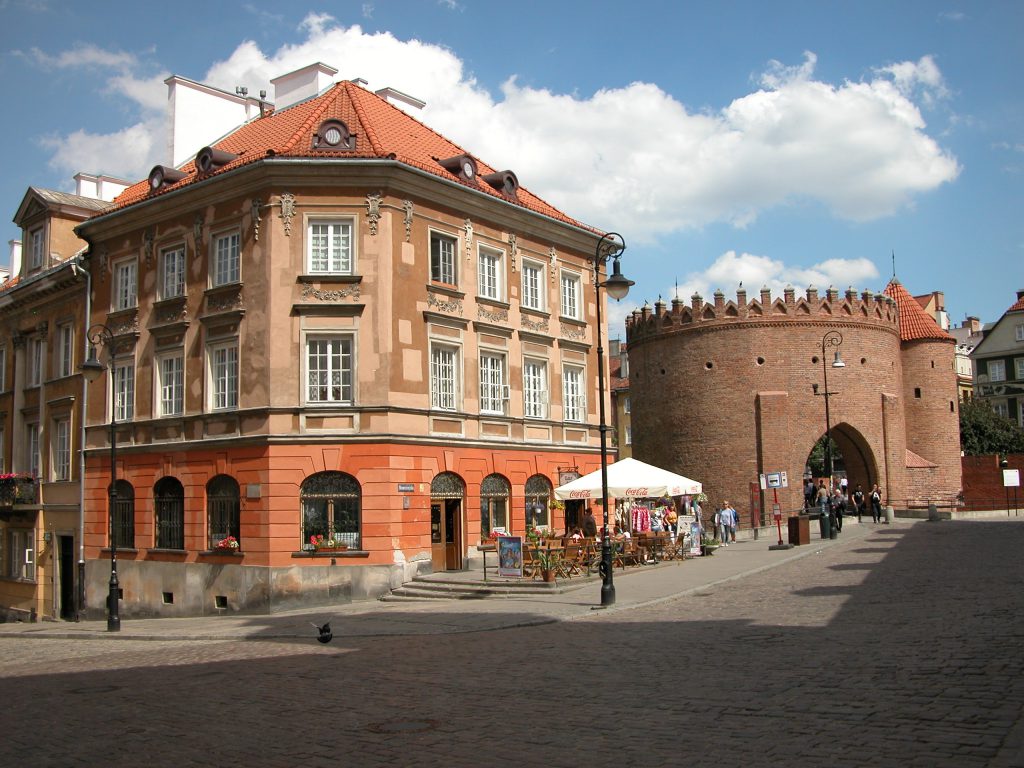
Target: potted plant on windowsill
226	546
321	543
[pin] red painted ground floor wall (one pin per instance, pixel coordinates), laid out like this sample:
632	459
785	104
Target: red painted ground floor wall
395	524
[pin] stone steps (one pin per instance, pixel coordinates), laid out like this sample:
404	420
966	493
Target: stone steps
444	587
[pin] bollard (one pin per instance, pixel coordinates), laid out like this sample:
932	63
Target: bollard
890	515
933	514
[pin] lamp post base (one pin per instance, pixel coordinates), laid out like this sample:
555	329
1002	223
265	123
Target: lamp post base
607	583
113	600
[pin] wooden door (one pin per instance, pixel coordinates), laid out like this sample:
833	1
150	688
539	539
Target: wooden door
453	534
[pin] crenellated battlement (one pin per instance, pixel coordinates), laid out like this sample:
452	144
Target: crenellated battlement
867	307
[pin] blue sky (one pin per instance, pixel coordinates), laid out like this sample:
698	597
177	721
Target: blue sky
774	143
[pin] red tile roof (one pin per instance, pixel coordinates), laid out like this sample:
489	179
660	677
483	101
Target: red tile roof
382	132
915	323
917	462
1018	306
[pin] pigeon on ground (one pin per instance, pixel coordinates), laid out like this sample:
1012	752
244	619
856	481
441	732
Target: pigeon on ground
325	632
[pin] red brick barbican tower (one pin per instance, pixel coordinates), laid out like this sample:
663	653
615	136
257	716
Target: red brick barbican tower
724	391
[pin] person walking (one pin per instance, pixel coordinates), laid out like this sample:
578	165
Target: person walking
858	501
838	507
590	524
876	503
809	493
729	520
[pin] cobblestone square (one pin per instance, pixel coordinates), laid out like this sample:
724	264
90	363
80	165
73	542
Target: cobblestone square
896	646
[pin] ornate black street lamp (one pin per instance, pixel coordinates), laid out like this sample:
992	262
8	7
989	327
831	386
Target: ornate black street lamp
92	369
830	339
610	246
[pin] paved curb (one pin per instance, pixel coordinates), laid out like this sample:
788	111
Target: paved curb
95	630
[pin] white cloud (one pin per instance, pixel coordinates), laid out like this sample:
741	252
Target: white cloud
81	56
120	154
754	272
633	153
921	77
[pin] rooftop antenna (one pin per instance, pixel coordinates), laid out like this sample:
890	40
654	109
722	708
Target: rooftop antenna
894	264
241	91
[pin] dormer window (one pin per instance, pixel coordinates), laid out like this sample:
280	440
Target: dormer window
161	176
462	166
333	135
504	182
209	159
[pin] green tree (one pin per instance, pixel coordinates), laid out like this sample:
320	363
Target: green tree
983	431
816	459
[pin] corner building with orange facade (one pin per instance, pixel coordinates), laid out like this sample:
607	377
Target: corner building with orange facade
332	323
724	391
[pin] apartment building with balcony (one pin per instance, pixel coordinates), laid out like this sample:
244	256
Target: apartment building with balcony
42	315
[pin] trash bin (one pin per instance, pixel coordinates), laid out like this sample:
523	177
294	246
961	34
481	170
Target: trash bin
823	522
799	530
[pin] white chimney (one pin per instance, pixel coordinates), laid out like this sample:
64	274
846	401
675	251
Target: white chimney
302	84
396	97
15	262
99	186
200	115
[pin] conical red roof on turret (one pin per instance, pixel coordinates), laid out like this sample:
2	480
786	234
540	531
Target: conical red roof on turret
915	323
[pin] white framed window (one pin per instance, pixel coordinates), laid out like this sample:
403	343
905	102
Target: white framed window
32	448
574	398
494	392
444	377
1018	331
629	435
61	450
329	247
625	404
442	258
996	370
1002	408
172	272
1018	365
126	283
489	273
21	554
65	349
224	375
124	391
171	383
35	362
571	292
226	259
535	389
35	251
329	370
533	286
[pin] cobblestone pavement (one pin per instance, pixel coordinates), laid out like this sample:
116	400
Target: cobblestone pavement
901	647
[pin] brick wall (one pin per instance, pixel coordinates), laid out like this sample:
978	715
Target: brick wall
722	392
983	481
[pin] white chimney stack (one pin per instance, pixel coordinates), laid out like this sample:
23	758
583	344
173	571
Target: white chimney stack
201	115
302	84
99	186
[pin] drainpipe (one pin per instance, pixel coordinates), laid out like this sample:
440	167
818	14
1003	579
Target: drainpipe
82	272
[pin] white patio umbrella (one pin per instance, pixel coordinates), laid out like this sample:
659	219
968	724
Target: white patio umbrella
629	479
